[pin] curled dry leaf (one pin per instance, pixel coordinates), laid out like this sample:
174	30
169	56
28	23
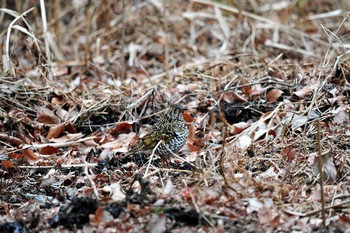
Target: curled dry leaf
273	95
341	116
157	223
55	131
10	139
259	90
70	128
14	156
305	91
193	148
7	163
231	97
191	133
246	89
288	153
24	138
329	169
122	141
29	155
243	142
187	117
49	150
57	101
122	127
46	116
91	142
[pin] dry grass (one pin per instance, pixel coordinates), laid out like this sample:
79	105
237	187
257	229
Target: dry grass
267	91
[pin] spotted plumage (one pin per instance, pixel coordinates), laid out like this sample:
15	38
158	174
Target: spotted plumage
170	129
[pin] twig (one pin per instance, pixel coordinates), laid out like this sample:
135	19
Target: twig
285	28
317	211
56	145
166	170
63	166
166	45
122	43
7	61
320	165
93	185
46	39
222	156
58	21
151	158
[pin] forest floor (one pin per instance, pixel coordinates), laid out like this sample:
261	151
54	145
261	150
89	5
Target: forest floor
266	85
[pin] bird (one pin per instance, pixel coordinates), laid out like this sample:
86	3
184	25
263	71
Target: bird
170	132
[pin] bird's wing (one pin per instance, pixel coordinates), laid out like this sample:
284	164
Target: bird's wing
150	140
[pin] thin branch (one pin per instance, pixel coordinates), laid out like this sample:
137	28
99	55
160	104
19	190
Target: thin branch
46	39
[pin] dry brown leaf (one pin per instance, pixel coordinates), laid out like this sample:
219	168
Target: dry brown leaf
187	117
68	137
191	133
230	97
57	101
29	155
259	90
7	163
193	148
46	116
122	127
341	115
91	142
329	169
7	138
24	138
48	150
157	223
246	89
70	128
305	91
15	156
288	152
273	95
55	131
122	141
192	87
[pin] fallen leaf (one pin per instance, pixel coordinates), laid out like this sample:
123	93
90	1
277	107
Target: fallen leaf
193	148
191	133
247	89
305	91
243	142
329	169
7	163
29	155
46	116
157	223
24	138
187	117
55	131
15	156
70	128
48	150
122	127
273	95
288	152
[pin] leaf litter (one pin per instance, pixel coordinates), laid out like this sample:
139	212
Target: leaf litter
267	94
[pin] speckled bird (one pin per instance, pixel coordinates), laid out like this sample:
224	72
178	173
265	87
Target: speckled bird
171	129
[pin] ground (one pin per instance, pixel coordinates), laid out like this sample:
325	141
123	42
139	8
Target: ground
265	85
